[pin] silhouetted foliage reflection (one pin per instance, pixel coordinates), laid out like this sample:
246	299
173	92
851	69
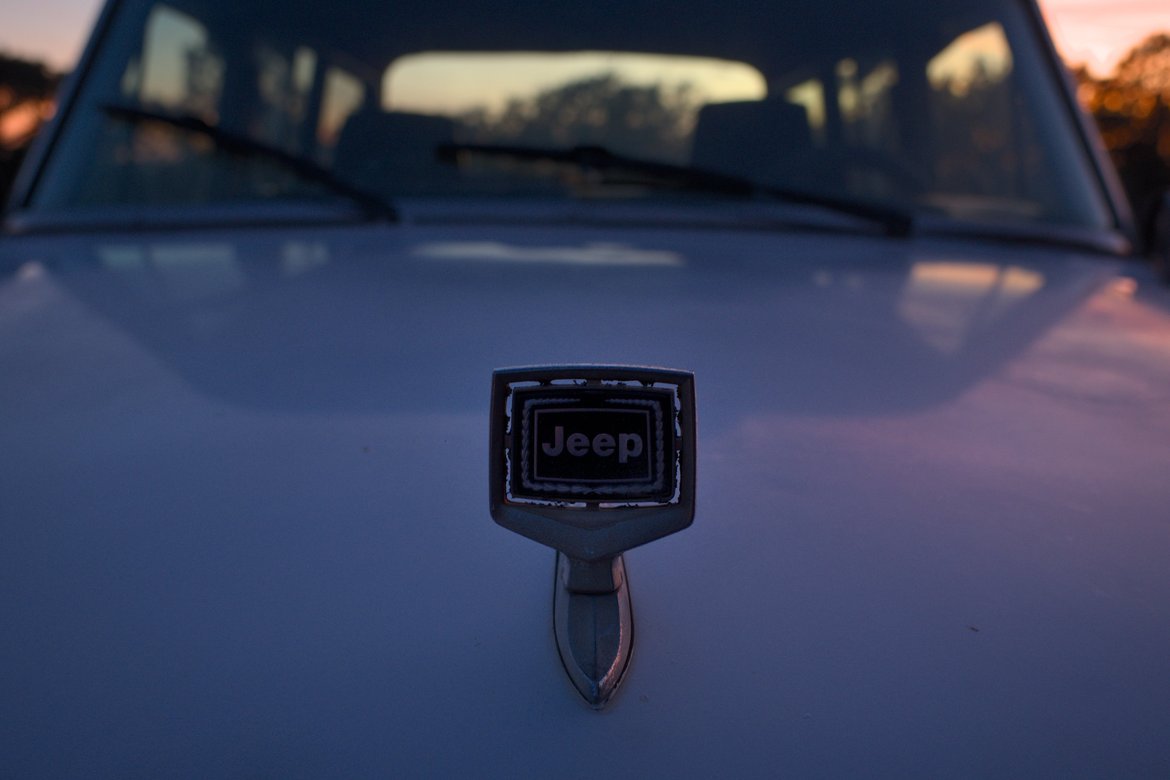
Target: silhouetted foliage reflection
635	119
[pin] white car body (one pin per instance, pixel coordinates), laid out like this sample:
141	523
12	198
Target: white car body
243	491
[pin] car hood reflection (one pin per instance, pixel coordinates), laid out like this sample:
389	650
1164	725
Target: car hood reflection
414	319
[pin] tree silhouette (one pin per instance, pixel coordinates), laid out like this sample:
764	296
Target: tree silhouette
26	101
638	120
1132	109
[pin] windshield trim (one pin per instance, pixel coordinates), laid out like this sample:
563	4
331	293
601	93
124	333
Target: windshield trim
124	218
1049	234
747	216
1082	126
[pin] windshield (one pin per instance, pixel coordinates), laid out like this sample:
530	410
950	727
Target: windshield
929	106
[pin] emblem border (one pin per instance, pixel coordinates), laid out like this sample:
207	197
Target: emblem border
593	528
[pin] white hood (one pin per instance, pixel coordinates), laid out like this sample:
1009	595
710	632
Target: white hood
243	484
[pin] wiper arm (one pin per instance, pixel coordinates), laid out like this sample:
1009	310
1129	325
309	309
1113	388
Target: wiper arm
375	206
894	222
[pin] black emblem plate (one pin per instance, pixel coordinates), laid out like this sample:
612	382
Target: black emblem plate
600	444
592	460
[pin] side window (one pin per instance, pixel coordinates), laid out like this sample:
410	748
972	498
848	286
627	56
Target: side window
861	112
262	88
853	124
864	100
344	94
811	95
179	70
982	142
283	83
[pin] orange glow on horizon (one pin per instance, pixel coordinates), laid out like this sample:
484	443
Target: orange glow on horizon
19	124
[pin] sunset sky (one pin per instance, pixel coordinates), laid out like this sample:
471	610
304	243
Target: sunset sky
1096	32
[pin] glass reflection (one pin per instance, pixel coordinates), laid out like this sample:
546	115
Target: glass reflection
947	302
945	114
585	255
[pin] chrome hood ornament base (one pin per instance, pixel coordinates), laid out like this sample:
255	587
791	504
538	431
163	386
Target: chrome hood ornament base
593	460
594	630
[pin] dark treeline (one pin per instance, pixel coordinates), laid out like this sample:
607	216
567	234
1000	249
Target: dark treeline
1132	109
27	90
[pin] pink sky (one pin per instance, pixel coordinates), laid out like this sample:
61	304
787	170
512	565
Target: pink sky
1101	33
1097	32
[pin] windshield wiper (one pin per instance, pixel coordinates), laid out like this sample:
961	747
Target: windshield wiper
375	206
894	222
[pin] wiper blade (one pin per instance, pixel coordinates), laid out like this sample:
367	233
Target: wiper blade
893	221
375	206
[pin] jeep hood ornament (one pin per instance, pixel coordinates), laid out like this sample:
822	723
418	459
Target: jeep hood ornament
591	461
